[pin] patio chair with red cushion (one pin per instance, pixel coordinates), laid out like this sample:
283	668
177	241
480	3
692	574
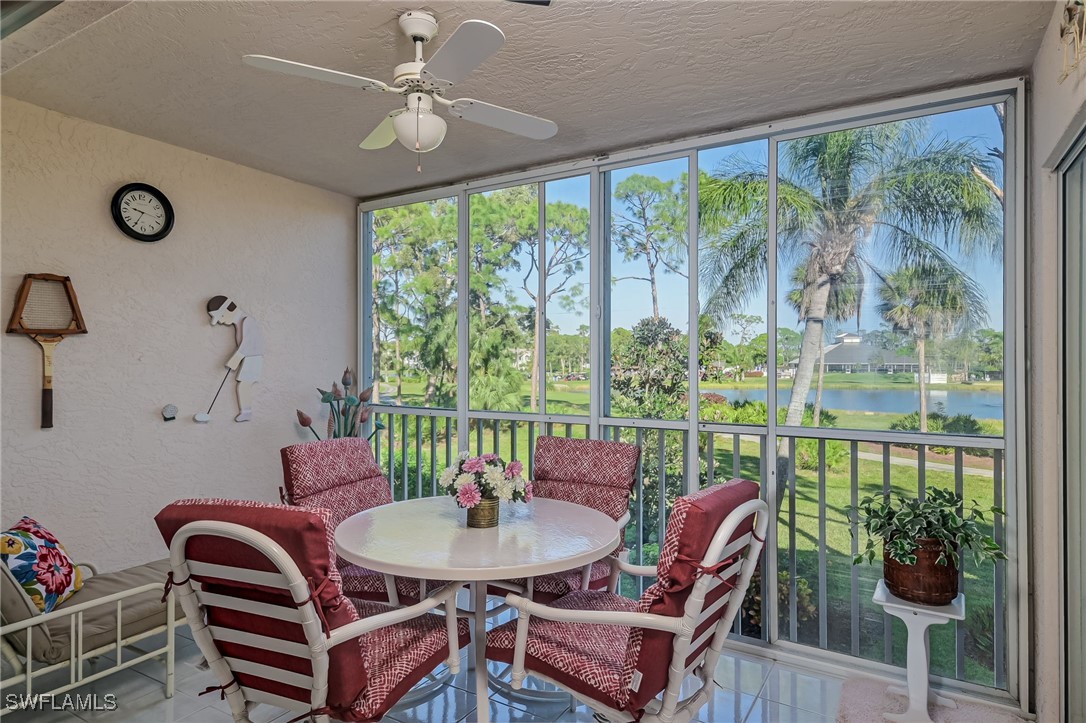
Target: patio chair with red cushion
342	476
260	588
617	655
592	472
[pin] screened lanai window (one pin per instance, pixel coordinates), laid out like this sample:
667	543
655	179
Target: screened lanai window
890	275
567	363
646	301
733	195
503	262
850	281
529	330
890	283
414	314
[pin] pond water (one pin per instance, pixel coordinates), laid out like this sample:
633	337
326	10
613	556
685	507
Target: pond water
980	404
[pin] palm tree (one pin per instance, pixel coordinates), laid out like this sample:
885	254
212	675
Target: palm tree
930	303
857	198
843	304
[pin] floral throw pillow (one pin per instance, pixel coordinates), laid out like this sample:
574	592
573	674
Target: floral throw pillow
39	563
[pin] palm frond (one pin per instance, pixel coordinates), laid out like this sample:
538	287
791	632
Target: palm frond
936	192
732	269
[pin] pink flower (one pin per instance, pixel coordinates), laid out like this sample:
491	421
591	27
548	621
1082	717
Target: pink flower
474	464
513	469
469	496
528	492
54	570
489	457
27	524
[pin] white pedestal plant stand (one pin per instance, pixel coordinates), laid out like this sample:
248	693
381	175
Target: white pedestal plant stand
917	619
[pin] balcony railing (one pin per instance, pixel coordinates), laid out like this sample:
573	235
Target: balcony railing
821	599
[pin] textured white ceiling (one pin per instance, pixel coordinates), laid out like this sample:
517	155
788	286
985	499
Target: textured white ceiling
612	73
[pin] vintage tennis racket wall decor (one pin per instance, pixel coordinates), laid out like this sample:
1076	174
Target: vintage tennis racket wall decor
46	310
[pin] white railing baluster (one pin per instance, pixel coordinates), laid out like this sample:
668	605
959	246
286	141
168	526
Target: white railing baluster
854	583
119	636
79	633
823	606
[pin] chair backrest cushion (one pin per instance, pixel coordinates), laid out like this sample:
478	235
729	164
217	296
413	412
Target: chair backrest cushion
691	527
592	472
306	536
338	475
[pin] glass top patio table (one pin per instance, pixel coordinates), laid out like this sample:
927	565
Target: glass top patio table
429	539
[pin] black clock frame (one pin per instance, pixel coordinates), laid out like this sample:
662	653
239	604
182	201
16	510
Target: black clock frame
167	209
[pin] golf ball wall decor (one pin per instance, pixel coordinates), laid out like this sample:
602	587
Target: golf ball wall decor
247	361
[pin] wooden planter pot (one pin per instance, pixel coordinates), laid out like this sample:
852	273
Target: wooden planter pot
926	582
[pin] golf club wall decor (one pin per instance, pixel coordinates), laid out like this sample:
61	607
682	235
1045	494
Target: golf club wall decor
247	361
46	310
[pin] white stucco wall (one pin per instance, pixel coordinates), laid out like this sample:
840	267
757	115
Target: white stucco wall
284	251
1058	111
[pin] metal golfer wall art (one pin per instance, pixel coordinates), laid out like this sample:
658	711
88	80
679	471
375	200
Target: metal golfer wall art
247	361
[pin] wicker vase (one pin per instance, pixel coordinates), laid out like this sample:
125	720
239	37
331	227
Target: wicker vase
926	582
484	514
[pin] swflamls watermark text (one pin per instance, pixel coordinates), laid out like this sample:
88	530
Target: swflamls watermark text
66	701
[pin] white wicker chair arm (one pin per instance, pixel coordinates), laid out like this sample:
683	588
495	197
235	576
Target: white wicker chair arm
630	569
89	566
446	596
598	617
624	520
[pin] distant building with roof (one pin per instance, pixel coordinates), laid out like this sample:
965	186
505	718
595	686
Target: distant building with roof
849	353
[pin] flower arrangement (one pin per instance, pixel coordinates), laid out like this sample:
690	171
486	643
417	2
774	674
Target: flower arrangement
348	411
486	477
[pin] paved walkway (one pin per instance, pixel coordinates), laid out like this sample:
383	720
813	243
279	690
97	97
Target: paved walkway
902	461
932	466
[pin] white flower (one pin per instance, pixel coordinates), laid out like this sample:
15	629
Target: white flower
503	487
465	479
493	478
447	477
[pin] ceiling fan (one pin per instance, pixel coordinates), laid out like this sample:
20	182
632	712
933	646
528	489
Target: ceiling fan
423	83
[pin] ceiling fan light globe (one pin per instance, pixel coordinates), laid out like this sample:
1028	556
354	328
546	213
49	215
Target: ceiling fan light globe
419	130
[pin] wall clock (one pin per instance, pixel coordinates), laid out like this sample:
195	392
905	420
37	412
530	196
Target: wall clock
142	212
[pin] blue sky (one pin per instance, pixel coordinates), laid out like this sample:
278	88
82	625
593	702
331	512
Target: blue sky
631	300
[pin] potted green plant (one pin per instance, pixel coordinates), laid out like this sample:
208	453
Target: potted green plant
922	541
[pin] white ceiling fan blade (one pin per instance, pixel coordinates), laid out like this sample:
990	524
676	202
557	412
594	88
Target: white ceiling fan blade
503	119
472	43
382	135
265	62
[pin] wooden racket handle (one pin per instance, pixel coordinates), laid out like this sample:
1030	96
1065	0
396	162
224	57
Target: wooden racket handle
46	408
48	346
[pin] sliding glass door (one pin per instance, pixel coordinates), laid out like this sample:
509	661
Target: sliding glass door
1074	214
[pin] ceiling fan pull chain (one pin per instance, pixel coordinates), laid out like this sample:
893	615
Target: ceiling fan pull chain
418	147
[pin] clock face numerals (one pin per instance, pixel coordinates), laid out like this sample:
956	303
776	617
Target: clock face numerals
143	212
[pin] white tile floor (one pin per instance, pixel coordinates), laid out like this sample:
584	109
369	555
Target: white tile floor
748	689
